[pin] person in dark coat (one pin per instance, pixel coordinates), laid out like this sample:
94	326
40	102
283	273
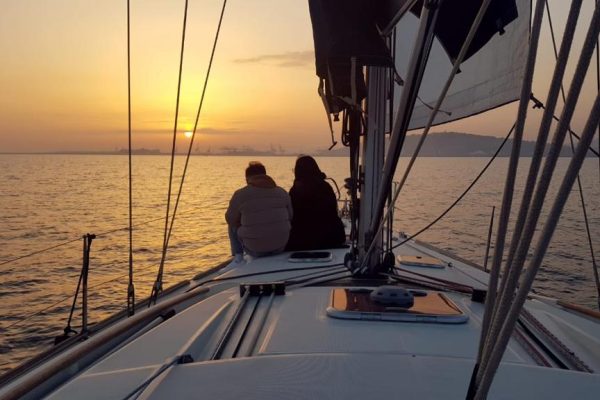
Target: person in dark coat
315	222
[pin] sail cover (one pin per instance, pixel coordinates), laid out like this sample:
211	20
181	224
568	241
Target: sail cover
346	39
490	76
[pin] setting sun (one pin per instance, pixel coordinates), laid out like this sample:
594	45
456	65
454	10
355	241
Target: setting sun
188	134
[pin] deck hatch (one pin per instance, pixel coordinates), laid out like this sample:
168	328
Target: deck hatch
429	306
421	261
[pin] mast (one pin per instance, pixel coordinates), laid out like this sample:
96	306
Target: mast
348	39
373	148
376	192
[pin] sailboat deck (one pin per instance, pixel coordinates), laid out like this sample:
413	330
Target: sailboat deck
291	348
327	376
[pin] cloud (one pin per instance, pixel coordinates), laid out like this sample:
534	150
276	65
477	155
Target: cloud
288	59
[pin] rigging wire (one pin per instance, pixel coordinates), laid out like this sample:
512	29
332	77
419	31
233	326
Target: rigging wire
130	288
197	119
157	287
189	152
539	104
70	296
18	322
65	298
33	253
151	265
105	233
579	186
339	268
463	194
148	222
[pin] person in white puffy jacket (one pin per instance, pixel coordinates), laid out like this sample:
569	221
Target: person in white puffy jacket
259	215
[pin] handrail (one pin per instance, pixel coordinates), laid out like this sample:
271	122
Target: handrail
580	309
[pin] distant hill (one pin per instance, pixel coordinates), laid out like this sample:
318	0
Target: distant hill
456	144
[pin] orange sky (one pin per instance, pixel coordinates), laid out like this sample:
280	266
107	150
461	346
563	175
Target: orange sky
63	75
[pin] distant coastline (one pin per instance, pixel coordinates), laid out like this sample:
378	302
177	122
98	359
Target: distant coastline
457	144
443	144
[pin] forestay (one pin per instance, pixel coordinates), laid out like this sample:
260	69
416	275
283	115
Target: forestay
488	79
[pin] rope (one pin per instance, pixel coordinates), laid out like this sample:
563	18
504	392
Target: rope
130	288
463	194
530	209
540	250
468	288
228	278
157	287
579	186
510	277
488	326
135	393
507	197
426	284
503	319
316	274
323	275
510	182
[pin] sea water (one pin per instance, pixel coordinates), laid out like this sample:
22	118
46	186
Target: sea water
52	200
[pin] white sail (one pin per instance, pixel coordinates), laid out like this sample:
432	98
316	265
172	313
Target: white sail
490	78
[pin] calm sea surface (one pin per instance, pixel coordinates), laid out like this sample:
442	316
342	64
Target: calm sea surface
46	200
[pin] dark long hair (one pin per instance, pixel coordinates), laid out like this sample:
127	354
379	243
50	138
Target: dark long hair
307	168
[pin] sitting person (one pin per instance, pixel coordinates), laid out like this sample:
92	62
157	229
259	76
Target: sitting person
315	224
258	216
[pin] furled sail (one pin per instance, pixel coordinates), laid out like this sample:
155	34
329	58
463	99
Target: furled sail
346	39
492	72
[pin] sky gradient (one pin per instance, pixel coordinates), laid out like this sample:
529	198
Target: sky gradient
64	87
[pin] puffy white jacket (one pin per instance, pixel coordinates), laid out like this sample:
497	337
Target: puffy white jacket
262	214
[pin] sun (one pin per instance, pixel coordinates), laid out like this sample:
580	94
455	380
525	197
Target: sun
188	134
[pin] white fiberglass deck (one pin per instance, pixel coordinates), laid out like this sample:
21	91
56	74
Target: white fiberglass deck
297	351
